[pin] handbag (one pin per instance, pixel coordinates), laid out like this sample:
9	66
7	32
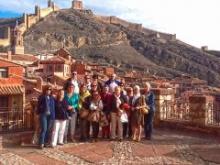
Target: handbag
94	116
144	110
83	113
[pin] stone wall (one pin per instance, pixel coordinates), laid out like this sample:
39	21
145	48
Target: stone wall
118	21
28	20
134	26
204	112
15	139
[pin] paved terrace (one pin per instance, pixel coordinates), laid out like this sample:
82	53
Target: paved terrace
167	147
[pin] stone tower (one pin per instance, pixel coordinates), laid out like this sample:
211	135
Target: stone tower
49	3
77	4
17	44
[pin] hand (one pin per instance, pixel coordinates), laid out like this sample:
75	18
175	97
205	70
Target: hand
70	108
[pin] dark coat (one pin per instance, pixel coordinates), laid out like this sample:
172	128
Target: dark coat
61	108
42	105
150	101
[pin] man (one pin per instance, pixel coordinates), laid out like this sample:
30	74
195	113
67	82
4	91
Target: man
74	81
112	83
96	83
87	82
150	101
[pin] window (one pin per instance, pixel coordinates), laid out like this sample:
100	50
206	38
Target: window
3	73
59	68
50	68
3	103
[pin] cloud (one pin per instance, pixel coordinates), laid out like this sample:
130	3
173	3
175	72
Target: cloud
194	21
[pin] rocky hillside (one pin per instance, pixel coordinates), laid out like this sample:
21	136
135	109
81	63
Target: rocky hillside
90	38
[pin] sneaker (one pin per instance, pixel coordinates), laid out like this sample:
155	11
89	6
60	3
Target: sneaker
41	146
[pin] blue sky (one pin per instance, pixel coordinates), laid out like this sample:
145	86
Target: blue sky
194	21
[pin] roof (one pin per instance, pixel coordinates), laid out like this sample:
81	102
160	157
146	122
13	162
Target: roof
11	89
10	63
55	60
20	57
62	52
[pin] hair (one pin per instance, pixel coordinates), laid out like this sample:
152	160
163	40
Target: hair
45	89
69	84
95	76
59	94
117	88
147	84
138	88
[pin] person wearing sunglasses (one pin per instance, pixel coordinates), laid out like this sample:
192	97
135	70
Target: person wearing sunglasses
74	81
46	111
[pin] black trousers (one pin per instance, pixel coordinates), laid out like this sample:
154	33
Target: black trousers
84	126
95	130
148	125
125	129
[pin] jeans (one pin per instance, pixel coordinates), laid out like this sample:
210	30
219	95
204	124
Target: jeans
125	129
71	126
58	132
148	127
45	126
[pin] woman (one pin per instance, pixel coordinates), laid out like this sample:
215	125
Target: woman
116	112
107	103
61	117
84	124
137	116
72	100
95	106
130	98
46	111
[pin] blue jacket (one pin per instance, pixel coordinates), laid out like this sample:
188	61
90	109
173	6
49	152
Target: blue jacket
110	81
42	106
150	101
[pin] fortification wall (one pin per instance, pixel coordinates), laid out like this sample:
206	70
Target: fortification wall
105	19
28	20
118	21
31	20
46	11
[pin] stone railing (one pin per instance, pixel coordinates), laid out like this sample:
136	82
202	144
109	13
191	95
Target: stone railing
199	111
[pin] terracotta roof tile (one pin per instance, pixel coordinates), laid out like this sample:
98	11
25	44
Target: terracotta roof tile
55	59
11	89
25	57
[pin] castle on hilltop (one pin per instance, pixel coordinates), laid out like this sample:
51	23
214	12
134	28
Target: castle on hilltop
11	34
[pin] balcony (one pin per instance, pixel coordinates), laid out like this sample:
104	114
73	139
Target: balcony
15	120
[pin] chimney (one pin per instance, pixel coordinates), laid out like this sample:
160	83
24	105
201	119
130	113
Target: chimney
9	55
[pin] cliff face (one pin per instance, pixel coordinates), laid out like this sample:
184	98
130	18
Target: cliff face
89	37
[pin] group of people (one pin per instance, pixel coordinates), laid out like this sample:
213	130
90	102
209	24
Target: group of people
92	109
